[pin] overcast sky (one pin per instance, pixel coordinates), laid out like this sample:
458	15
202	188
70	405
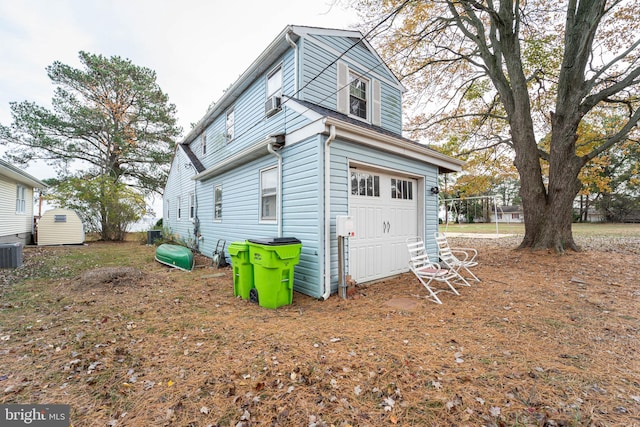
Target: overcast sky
196	47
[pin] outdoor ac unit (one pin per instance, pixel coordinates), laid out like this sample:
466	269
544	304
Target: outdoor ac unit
10	255
272	105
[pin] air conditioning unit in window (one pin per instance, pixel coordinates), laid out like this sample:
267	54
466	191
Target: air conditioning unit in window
272	105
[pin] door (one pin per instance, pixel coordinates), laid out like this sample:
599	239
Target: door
385	212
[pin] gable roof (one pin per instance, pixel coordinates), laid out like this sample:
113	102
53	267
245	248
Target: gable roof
263	62
19	175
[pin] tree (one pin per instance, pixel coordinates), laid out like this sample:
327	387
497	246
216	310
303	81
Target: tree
104	206
505	73
110	120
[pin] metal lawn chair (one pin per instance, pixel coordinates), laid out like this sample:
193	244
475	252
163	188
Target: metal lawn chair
427	271
458	259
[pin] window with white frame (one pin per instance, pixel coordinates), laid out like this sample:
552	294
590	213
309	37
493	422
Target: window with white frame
192	206
358	95
274	82
21	199
268	194
168	210
217	203
178	207
401	189
230	124
204	143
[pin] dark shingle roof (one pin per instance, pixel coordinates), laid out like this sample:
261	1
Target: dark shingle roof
192	158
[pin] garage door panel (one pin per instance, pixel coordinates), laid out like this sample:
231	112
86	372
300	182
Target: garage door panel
383	222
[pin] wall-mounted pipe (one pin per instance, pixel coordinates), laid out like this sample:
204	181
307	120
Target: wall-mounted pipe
327	212
279	186
295	63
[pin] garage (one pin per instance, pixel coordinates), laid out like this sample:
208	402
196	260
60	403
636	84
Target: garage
384	207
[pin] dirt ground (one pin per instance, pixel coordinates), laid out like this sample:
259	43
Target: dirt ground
542	340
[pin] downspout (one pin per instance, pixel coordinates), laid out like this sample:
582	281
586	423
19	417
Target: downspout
279	195
327	213
295	62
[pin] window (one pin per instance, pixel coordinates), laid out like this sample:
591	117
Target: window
204	144
365	184
401	189
178	207
21	202
357	96
515	216
230	124
274	82
59	218
168	210
217	203
268	193
192	206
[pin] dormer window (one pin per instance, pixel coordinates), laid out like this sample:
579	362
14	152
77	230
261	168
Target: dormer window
358	96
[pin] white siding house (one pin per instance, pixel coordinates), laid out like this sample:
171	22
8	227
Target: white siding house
16	204
310	131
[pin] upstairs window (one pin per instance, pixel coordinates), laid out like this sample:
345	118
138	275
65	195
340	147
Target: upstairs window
21	199
178	207
204	144
274	82
192	206
358	96
230	124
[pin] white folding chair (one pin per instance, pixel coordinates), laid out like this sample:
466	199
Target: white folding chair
458	259
427	271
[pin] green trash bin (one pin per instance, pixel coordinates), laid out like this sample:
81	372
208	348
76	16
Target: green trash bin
242	269
273	263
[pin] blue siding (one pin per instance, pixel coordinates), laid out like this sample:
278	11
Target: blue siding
303	211
321	88
179	185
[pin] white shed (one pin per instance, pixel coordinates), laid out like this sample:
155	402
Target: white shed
60	227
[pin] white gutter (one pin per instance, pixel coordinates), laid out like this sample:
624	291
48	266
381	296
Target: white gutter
327	213
279	186
295	62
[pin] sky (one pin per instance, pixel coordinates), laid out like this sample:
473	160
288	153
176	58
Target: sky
197	48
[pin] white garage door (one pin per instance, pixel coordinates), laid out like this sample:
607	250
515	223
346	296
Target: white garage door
385	212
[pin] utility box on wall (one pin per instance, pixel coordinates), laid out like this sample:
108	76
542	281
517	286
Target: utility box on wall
10	255
345	226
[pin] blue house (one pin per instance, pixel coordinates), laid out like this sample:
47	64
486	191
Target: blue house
310	131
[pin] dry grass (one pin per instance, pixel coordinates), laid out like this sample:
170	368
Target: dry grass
542	340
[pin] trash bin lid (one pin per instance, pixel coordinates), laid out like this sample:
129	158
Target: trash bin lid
276	241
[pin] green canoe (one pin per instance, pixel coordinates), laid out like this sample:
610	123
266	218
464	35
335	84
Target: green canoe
175	256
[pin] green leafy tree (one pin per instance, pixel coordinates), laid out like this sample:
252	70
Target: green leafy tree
104	206
110	122
505	73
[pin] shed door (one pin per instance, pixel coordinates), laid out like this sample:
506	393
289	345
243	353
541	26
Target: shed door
385	212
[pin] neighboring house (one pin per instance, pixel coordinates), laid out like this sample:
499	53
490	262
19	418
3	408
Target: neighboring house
310	131
16	204
508	214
